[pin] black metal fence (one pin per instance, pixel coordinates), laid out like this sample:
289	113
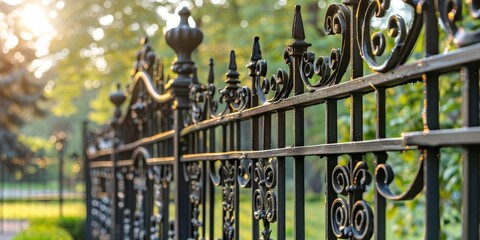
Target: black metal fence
155	171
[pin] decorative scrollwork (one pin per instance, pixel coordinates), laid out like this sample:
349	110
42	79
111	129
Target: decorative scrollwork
339	217
330	68
265	199
228	200
341	180
243	175
140	188
349	220
362	220
451	14
235	97
193	174
161	175
281	83
201	97
403	26
384	175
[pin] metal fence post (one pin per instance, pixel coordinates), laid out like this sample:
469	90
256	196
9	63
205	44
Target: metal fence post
88	183
183	39
117	98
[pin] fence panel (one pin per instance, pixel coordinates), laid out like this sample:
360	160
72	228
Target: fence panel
160	168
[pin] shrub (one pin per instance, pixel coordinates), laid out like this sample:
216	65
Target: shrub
43	232
74	226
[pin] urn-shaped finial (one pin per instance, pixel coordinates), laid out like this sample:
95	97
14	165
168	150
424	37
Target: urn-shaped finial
183	39
117	98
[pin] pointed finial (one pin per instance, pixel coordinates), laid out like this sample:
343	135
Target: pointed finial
256	52
211	75
232	74
298	33
233	62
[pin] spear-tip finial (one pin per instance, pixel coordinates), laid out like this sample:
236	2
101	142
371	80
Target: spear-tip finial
233	62
232	68
211	75
298	32
256	52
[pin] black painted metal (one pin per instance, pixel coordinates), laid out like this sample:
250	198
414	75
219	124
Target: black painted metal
157	170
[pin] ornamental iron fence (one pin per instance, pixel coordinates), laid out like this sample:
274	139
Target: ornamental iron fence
154	172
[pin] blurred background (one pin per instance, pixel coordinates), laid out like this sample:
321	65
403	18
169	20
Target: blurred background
59	60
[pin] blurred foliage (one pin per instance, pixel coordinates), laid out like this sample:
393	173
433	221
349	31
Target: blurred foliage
21	81
96	45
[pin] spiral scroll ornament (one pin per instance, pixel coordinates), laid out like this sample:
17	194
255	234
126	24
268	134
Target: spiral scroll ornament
350	216
202	102
404	32
234	96
281	83
452	16
161	175
193	174
384	176
330	68
228	177
265	199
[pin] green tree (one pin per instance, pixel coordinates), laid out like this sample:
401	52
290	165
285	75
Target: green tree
23	76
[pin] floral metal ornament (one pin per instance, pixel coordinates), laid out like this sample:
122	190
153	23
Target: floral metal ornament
452	14
402	20
351	215
330	68
265	199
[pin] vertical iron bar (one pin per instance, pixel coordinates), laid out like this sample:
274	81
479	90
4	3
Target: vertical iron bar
204	185
116	228
431	122
380	158
224	149
296	50
165	213
267	144
235	145
281	177
331	137
356	134
88	183
470	112
181	186
211	186
254	185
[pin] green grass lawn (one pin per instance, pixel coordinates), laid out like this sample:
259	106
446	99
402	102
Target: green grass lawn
38	209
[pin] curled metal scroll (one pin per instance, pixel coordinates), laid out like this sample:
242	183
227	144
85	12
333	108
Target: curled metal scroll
384	175
281	83
201	96
331	68
244	173
228	198
193	174
373	46
235	97
350	215
451	14
265	199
